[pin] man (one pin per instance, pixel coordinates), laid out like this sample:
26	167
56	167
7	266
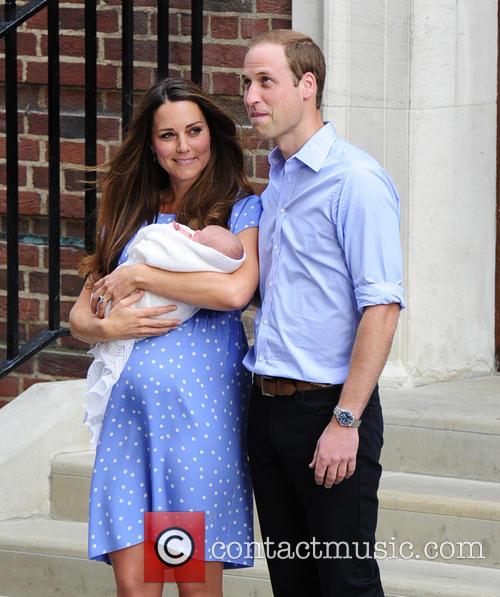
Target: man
330	285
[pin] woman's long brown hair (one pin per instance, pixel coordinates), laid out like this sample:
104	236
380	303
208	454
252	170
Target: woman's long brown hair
134	182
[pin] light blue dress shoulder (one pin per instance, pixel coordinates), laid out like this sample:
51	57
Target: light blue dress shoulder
174	432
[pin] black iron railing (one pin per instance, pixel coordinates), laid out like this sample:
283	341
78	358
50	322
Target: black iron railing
13	18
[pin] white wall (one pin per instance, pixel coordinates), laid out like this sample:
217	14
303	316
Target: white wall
43	421
307	16
414	83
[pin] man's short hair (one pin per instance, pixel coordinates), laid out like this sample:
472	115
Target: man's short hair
302	53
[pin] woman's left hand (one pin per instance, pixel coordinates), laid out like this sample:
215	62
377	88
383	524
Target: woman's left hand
117	285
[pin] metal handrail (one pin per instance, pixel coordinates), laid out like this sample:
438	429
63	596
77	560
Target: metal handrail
12	22
17	355
14	17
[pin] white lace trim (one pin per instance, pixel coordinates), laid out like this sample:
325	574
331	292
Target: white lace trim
104	372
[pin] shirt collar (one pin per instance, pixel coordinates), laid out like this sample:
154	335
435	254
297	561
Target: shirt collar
313	153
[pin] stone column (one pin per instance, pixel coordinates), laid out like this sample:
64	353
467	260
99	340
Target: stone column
414	83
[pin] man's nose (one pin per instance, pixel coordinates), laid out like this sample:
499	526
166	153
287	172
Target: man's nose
251	96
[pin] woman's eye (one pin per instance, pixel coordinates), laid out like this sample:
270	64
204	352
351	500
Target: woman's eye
196	130
167	136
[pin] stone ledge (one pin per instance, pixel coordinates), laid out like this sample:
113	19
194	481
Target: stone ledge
440	495
41	556
469	405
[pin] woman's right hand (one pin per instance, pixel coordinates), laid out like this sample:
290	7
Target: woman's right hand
126	322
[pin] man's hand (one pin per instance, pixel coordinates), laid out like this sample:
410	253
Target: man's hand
335	456
114	287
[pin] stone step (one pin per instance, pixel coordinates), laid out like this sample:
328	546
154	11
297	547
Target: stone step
413	507
458	519
447	429
41	557
45	557
70	485
414	578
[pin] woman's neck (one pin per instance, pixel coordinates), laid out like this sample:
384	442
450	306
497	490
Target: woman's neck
173	197
170	202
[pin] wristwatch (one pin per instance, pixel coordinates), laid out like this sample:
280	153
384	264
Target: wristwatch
345	417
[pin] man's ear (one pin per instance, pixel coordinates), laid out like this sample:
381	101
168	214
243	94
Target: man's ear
308	85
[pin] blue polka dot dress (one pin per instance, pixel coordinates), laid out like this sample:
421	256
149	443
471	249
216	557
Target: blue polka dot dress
173	435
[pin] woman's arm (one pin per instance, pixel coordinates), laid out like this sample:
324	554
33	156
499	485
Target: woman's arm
124	320
83	324
210	290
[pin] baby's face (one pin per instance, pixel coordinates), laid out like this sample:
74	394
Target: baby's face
215	237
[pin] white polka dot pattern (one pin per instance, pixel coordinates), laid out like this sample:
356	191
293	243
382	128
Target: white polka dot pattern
173	436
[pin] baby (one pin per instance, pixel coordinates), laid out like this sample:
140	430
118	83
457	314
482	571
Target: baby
223	249
217	237
173	247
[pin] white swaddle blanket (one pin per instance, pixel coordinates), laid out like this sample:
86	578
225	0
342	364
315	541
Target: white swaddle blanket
158	245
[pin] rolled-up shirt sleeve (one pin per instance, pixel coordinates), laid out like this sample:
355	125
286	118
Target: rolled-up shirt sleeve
367	224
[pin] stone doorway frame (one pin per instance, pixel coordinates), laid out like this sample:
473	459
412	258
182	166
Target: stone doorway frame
497	267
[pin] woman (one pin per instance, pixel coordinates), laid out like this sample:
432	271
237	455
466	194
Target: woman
173	434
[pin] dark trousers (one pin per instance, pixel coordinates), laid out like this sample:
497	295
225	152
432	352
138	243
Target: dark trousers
282	436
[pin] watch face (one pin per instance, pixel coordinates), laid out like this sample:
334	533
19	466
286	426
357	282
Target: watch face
345	418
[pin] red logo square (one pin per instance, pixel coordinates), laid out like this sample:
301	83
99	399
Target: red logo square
174	547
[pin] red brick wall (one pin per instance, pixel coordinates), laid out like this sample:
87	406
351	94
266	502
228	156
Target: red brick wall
228	25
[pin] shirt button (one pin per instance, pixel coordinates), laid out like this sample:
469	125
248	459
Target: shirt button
261	358
276	247
266	321
282	211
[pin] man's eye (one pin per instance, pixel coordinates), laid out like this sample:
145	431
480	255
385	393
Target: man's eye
246	82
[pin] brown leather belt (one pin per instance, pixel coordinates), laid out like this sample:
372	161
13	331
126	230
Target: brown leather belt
281	386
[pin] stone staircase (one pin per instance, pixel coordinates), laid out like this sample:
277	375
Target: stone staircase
441	484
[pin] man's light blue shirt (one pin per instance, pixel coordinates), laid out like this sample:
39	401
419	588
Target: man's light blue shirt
328	247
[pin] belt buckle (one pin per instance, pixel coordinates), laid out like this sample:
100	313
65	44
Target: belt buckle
265	379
